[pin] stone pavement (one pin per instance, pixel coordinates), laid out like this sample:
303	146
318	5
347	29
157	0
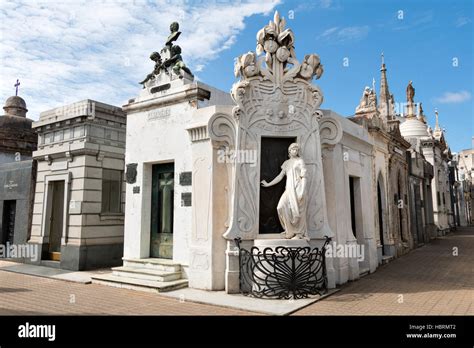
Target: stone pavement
47	272
427	281
31	295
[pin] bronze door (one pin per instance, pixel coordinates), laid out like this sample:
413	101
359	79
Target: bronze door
162	211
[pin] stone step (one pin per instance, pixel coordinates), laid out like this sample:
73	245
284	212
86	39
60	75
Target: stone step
138	284
363	272
152	263
146	273
50	263
386	259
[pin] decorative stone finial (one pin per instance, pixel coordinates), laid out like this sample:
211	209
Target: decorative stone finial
368	101
437	121
277	43
410	93
421	114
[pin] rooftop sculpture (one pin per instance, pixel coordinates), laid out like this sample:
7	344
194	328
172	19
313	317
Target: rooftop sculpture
170	61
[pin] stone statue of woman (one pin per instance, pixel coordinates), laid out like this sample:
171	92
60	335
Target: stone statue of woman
292	205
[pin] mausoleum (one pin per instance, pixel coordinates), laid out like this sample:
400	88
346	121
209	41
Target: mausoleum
211	176
79	198
17	172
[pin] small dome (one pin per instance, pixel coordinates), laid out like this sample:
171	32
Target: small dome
413	128
15	106
16	102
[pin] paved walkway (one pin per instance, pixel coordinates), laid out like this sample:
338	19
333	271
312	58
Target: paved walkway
427	281
22	294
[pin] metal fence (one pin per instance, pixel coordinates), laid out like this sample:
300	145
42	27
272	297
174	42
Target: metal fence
283	272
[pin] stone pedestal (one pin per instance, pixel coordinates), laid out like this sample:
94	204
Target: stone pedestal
287	243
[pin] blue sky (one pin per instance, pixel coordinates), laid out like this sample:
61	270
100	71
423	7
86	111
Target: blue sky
67	51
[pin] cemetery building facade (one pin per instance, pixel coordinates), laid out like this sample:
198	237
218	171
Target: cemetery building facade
414	129
436	151
390	183
175	186
205	172
17	172
465	160
79	197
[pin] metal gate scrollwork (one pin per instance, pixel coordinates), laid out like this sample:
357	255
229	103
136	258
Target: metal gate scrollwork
283	272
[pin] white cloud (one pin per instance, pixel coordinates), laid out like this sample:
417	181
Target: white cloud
337	34
415	20
304	6
325	3
454	97
461	21
65	51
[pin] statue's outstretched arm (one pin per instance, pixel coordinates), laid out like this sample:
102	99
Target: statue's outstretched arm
274	181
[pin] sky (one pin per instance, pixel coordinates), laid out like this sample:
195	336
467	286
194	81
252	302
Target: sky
66	51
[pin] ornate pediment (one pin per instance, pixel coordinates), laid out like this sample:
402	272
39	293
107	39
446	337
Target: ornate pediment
274	87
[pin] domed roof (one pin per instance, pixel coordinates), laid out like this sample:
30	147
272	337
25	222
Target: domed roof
16	102
15	106
413	128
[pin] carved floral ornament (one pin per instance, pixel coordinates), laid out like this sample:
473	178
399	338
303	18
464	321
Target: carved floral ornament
274	97
277	43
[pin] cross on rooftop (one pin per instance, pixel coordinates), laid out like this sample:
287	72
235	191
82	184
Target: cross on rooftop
17	84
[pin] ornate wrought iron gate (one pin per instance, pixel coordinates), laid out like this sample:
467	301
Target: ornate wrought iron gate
283	272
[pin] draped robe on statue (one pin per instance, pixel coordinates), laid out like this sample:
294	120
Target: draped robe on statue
292	205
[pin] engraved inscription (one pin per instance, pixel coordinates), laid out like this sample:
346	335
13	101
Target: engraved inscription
158	114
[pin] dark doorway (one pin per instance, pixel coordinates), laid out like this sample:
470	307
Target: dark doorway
56	188
380	211
418	215
8	224
162	206
353	212
274	151
400	205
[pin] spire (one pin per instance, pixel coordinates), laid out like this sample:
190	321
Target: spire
438	132
421	114
437	121
385	106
